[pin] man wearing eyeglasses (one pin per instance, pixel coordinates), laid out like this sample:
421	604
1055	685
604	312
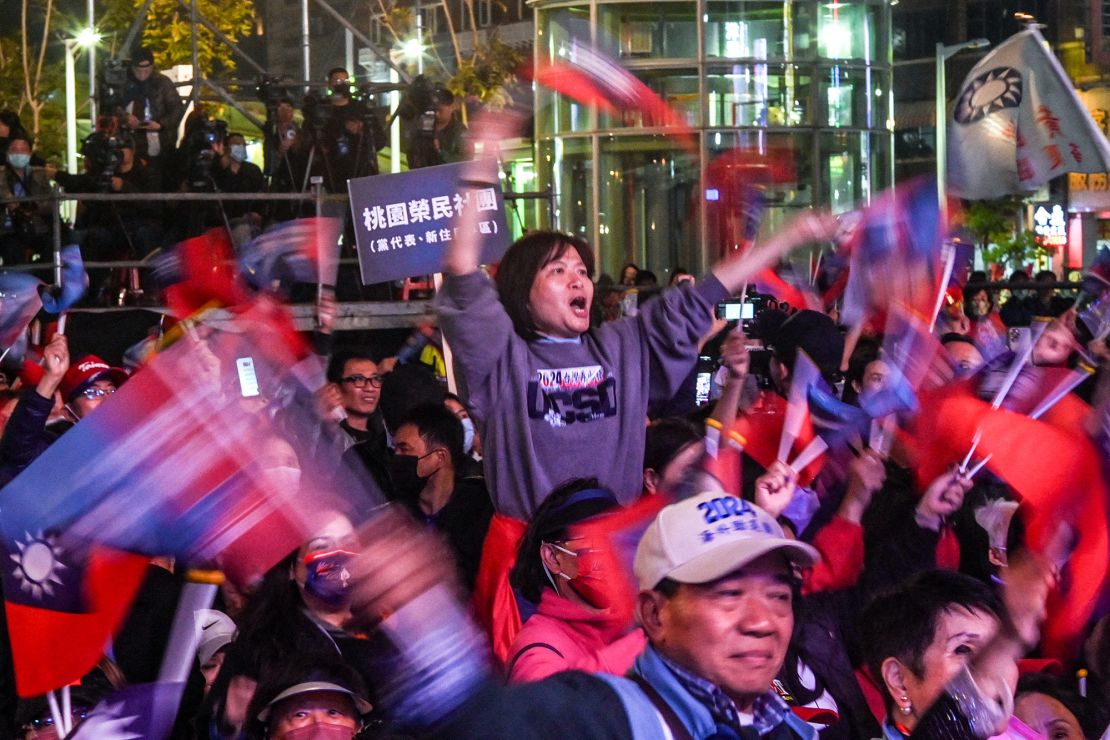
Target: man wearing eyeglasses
354	390
83	386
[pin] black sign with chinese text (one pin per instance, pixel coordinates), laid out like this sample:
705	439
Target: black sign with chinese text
404	221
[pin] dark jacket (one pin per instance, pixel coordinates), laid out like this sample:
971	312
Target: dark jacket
26	436
166	107
463	521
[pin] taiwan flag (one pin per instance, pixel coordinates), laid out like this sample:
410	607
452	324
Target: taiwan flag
63	603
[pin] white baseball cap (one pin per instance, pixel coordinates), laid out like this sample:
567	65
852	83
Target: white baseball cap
216	630
708	536
362	706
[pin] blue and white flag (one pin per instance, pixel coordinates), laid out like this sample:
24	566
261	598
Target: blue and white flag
1018	123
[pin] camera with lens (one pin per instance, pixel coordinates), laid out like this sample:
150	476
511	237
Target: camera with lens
202	150
103	149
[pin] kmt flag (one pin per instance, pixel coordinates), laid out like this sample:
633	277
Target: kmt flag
1018	123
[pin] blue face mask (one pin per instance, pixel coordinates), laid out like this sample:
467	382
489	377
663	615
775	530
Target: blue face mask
19	161
238	152
327	576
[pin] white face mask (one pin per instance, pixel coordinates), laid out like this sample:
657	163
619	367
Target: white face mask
238	152
468	435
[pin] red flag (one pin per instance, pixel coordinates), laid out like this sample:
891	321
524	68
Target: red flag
762	426
1071	490
494	601
206	274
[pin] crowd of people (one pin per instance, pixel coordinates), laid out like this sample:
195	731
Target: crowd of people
137	150
575	547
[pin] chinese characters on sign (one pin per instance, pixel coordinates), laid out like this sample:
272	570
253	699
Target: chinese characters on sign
403	221
1051	225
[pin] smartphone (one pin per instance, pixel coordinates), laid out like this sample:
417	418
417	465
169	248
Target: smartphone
704	381
736	310
248	380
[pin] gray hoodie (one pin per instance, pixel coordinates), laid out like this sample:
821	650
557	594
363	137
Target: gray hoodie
552	410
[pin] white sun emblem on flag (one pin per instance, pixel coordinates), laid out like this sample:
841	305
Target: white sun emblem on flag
994	90
38	563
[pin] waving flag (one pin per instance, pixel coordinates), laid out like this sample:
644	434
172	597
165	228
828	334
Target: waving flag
895	253
200	272
303	250
1018	123
63	602
586	69
58	298
131	712
1071	490
174	463
22	295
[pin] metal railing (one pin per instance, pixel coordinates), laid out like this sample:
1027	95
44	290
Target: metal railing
352	314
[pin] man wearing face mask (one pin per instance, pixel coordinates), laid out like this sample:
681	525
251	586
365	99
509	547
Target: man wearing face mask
236	174
425	470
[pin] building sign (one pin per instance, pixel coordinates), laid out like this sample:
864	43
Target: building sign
1089	192
1051	225
404	221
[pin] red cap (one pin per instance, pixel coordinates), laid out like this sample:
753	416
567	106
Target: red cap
84	372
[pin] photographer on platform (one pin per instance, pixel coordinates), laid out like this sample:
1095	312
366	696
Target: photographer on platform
435	134
346	133
236	174
112	230
152	109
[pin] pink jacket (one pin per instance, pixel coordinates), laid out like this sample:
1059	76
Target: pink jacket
563	636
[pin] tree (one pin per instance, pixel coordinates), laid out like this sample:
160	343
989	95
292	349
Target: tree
991	221
481	73
168	34
31	79
1018	250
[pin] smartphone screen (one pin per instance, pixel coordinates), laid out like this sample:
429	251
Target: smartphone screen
248	380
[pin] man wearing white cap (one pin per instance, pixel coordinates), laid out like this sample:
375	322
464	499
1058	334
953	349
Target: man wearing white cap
716	579
717	582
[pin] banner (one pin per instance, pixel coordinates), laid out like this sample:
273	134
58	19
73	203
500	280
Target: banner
1018	123
404	221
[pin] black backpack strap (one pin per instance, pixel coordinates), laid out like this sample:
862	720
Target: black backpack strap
526	648
678	730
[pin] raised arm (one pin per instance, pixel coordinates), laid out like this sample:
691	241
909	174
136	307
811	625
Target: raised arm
741	268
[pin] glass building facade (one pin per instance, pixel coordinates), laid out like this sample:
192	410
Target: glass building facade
804	82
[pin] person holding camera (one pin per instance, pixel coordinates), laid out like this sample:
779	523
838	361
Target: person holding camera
152	108
347	134
435	133
25	227
287	147
111	230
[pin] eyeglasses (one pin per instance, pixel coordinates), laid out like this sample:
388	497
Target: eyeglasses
360	381
94	393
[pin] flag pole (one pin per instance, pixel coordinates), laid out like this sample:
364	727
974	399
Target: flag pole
198	593
56	713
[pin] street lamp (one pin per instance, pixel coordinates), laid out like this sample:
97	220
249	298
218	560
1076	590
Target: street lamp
87	38
944	52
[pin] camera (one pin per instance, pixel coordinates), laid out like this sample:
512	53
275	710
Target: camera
201	145
103	149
